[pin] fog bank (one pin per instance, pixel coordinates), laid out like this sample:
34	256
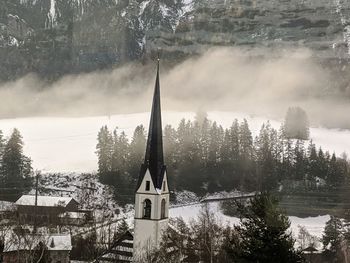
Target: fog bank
222	79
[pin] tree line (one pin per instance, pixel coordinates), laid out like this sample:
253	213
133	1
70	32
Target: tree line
201	156
15	167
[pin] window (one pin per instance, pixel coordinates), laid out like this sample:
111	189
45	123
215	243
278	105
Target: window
164	186
148	184
147	209
162	211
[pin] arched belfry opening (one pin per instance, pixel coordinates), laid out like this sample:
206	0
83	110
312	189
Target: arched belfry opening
147	209
162	211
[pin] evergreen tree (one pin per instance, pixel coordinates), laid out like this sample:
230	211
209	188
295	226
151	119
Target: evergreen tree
300	164
333	177
202	131
322	164
16	169
234	142
2	144
332	239
171	152
263	234
312	162
120	177
264	157
104	150
120	153
296	124
214	158
137	151
228	178
246	150
121	229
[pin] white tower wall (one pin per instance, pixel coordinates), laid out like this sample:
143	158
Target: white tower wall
148	231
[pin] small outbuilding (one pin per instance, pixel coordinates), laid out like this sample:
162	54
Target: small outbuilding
37	248
47	209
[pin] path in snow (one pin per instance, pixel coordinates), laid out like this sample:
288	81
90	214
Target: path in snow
69	144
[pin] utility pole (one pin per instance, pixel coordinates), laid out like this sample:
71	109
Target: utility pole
36	201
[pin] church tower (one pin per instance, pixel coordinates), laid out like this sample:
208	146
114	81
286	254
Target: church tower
152	193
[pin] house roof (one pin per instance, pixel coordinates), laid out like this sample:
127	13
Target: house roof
154	158
47	201
60	242
54	242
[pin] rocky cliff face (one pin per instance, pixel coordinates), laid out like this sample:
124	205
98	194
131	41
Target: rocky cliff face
320	25
55	37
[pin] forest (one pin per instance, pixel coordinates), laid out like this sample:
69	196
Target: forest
203	157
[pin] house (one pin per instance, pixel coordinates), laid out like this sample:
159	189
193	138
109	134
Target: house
73	218
46	211
37	248
313	255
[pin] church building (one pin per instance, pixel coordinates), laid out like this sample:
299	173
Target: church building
152	192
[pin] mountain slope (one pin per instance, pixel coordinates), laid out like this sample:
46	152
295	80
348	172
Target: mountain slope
55	37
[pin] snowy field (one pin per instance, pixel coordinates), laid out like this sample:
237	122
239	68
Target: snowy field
68	144
314	225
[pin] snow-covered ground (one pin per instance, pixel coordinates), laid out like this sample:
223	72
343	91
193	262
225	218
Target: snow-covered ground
314	225
68	144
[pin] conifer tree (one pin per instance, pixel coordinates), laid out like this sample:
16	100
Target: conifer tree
313	160
300	166
120	177
246	164
332	239
120	153
264	158
16	168
234	142
263	234
171	152
333	178
296	124
104	150
137	151
121	229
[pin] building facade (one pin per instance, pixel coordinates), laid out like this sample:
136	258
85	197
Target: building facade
47	210
37	248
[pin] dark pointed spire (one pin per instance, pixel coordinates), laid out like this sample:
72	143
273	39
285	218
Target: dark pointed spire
154	158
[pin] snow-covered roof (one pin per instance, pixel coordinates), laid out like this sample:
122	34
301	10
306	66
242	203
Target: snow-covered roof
60	242
48	201
54	242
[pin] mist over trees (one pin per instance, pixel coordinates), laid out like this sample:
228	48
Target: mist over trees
201	156
296	124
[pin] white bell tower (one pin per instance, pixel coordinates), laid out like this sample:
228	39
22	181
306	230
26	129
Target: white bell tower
152	193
